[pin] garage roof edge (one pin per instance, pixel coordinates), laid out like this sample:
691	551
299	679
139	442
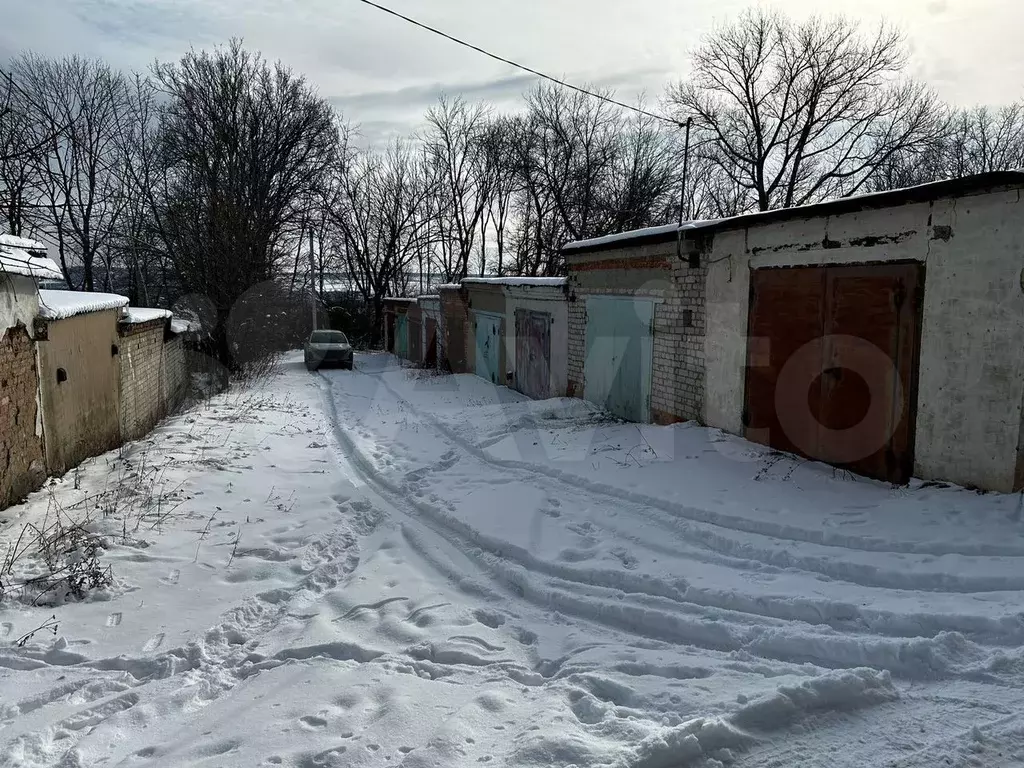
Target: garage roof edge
922	193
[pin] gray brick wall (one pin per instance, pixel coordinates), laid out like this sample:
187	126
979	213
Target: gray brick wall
679	291
141	360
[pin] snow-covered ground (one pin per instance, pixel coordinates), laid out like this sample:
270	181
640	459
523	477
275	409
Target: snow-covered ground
385	567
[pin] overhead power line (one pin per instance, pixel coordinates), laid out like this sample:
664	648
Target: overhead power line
523	67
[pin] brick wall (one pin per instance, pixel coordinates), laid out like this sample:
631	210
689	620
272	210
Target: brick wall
678	290
142	377
22	466
175	373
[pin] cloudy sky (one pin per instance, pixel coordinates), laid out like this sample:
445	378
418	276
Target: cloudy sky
383	73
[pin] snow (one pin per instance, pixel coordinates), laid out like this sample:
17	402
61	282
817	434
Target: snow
393	567
664	229
22	243
60	305
185	325
17	261
134	315
516	281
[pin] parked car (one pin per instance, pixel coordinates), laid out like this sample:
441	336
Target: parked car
328	348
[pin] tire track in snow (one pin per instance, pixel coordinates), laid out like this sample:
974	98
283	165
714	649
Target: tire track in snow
841	615
793	534
514	569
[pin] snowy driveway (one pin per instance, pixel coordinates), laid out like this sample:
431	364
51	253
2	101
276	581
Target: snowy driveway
386	567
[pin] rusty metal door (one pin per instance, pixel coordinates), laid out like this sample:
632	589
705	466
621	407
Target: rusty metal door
832	356
533	353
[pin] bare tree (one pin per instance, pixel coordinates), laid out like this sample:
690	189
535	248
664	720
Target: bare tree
82	107
455	145
797	113
242	147
382	220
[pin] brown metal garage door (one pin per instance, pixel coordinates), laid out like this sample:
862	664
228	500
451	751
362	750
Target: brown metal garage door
832	364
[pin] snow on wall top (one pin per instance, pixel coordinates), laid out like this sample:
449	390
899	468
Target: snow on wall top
60	305
665	229
398	298
17	261
184	325
144	315
448	287
24	243
517	281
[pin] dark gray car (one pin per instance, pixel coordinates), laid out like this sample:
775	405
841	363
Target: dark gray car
328	348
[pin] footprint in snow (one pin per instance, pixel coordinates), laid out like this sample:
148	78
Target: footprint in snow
114	619
154	642
6	629
172	577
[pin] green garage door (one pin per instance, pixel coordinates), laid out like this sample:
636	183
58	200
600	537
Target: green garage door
402	337
617	370
488	341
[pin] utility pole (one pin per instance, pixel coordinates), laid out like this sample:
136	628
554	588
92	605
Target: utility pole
686	168
312	279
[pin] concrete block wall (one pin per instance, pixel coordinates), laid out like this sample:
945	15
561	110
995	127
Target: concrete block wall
22	463
654	272
142	377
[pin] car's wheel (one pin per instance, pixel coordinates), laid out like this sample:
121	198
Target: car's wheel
348	366
311	366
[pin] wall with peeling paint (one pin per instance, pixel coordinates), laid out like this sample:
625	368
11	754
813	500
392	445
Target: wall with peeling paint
971	375
19	301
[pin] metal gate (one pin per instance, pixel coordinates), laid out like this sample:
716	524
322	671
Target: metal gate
832	361
487	328
619	349
402	336
533	353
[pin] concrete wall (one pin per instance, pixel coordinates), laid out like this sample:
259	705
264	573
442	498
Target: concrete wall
141	371
19	301
81	416
971	374
22	465
553	301
655	272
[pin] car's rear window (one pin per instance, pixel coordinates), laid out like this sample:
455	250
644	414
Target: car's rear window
328	337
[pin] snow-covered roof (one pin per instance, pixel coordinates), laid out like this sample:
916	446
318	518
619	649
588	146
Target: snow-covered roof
135	315
18	261
24	243
519	281
60	305
665	229
946	188
184	325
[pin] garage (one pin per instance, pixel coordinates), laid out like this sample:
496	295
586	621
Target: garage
618	356
832	359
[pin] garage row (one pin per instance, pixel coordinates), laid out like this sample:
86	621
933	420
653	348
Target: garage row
883	334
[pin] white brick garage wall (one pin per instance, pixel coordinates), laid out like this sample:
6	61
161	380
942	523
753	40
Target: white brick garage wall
142	377
677	289
971	369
